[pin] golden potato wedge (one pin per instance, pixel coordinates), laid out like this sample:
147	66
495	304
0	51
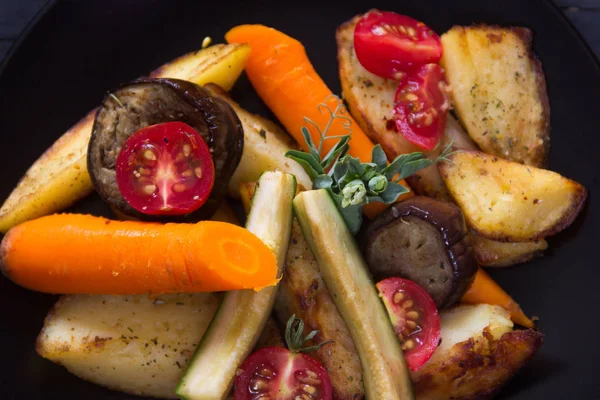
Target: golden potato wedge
136	344
491	253
370	98
478	354
265	145
55	181
302	291
507	201
221	64
499	91
59	177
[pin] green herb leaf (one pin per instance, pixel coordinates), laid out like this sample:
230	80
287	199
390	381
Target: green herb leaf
294	331
322	182
309	142
311	166
337	151
392	192
378	157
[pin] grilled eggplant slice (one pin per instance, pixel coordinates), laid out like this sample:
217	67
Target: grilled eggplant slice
426	241
499	91
152	101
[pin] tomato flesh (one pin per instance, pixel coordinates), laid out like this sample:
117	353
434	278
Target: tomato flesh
389	44
415	319
277	373
165	169
421	106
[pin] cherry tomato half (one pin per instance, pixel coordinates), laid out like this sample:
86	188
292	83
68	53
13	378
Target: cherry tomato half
277	373
422	105
414	317
388	44
165	169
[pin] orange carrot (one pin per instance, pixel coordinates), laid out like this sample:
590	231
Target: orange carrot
485	290
72	253
285	79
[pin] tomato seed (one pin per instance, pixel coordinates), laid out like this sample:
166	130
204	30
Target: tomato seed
149	155
309	389
265	372
408	345
179	187
412	315
411	32
187	173
398	296
428	119
411	96
149	189
408	304
258	385
198	172
187	150
411	324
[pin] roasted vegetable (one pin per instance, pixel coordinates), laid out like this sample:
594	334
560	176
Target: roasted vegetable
508	201
147	102
491	253
59	177
423	240
499	91
303	292
265	145
479	352
385	374
136	344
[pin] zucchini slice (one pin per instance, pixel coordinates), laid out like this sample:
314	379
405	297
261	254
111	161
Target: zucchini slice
242	315
345	273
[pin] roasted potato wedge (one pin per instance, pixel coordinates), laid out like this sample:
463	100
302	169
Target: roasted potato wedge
491	253
478	354
507	201
370	98
59	177
221	64
499	91
302	291
265	145
135	344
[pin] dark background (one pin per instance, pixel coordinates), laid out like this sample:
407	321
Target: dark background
16	14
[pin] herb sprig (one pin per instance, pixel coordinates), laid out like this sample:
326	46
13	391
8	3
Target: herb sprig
350	183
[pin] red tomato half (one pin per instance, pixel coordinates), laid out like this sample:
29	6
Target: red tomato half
414	317
165	169
278	374
422	105
388	44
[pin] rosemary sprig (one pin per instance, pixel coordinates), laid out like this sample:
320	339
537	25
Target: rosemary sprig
353	184
295	339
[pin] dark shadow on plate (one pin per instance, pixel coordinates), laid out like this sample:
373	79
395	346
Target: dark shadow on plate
539	369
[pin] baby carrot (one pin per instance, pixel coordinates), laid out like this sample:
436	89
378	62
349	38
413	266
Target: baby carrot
83	254
287	82
485	290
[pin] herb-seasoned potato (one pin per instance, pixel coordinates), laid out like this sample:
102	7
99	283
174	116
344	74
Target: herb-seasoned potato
221	64
370	98
59	177
491	253
265	145
508	201
478	354
302	291
499	91
136	344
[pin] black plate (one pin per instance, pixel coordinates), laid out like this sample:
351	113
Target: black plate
79	50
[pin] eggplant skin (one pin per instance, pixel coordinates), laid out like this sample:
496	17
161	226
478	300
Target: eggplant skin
401	238
151	101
